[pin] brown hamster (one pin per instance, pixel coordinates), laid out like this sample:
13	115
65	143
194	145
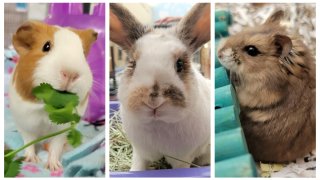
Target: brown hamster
274	77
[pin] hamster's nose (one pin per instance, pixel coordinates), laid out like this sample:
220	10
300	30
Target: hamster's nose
220	55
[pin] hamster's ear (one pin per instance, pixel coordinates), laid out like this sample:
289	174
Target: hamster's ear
88	37
124	28
283	45
275	18
194	29
24	37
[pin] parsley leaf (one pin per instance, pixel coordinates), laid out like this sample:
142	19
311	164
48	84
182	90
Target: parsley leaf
74	137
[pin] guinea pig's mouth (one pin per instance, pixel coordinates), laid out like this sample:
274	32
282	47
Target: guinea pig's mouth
65	92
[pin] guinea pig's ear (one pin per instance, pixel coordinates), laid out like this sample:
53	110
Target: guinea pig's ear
23	39
88	37
124	28
194	29
275	18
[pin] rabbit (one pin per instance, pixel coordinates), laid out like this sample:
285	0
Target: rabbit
273	73
164	100
54	55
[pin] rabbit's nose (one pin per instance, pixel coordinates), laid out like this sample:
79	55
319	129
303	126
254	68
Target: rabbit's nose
154	94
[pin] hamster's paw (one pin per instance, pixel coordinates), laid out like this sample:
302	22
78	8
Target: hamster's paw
54	165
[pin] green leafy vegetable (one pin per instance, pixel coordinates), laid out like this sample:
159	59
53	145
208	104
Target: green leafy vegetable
57	99
74	138
61	108
11	165
60	105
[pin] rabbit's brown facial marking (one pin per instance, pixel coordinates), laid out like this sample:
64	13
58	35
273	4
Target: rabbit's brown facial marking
155	96
182	65
136	98
175	96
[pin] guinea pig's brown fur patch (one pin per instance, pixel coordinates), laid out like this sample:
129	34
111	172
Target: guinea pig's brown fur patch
28	41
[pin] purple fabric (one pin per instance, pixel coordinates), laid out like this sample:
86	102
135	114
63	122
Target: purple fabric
70	15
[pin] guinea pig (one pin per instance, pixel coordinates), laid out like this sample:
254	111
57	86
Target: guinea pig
164	100
54	55
273	73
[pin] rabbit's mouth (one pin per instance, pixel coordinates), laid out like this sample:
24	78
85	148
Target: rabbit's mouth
155	111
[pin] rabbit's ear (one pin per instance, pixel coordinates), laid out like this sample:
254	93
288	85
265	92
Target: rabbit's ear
194	29
124	28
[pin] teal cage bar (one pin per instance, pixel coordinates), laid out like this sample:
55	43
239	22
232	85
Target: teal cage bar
232	158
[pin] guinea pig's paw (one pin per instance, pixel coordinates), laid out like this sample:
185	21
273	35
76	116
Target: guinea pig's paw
31	157
54	165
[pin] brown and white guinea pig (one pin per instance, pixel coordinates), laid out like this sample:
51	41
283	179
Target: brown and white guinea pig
274	76
54	55
165	101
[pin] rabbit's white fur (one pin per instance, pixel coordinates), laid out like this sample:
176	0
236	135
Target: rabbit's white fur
183	133
30	117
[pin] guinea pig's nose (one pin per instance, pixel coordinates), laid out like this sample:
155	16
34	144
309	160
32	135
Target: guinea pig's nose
69	76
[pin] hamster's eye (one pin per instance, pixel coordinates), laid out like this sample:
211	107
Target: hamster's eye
46	47
252	50
179	65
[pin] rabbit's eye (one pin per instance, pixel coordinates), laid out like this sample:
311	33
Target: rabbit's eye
46	47
132	64
179	65
252	50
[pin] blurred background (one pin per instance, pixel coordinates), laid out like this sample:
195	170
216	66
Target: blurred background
299	17
157	15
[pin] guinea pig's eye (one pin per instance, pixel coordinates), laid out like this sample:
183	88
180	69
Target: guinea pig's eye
46	47
179	65
252	50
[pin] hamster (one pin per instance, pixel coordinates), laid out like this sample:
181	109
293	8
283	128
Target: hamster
54	55
274	76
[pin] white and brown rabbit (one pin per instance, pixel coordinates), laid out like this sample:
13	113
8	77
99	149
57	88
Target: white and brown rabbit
165	101
274	76
54	55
